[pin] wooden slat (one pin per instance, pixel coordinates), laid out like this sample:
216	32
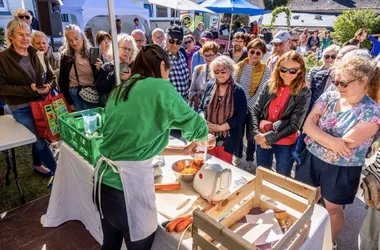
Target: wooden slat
199	241
296	227
283	198
297	243
218	232
231	240
225	205
259	182
238	214
289	184
207	224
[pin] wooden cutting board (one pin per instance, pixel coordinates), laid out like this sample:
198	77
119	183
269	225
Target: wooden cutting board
175	203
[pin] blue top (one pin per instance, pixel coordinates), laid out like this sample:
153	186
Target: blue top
376	45
196	60
338	124
236	122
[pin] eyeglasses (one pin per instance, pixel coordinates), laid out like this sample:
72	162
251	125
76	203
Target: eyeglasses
125	49
190	41
217	72
26	17
330	56
257	52
291	71
343	84
208	56
139	41
174	41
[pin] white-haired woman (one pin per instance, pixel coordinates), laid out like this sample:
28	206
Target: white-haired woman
23	15
329	56
127	55
40	42
76	70
224	105
23	80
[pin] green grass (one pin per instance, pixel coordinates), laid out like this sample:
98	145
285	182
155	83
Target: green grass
34	185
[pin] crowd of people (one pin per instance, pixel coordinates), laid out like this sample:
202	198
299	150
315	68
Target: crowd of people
319	123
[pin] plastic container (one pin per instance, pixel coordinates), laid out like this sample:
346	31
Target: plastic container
72	132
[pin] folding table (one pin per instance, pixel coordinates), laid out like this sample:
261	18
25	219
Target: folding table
13	135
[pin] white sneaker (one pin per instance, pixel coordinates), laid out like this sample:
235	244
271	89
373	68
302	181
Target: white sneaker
335	246
250	167
236	161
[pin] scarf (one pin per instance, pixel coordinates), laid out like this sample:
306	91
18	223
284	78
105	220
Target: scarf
256	74
220	111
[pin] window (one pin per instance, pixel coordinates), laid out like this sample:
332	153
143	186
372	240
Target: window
161	11
149	7
64	18
2	5
174	13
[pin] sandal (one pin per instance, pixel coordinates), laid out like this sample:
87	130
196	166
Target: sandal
46	174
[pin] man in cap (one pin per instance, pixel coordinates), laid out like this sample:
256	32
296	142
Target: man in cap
198	31
281	44
179	73
197	59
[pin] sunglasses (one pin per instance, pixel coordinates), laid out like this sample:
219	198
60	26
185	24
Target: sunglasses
26	17
190	41
277	44
330	56
217	72
172	41
343	84
291	71
294	40
258	53
208	56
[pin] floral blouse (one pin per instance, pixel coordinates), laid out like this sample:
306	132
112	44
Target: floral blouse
338	124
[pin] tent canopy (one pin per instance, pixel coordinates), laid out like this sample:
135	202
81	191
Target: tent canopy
92	8
180	5
232	6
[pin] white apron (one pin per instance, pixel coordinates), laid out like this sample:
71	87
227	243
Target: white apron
138	185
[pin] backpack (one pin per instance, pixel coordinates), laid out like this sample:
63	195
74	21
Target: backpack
371	191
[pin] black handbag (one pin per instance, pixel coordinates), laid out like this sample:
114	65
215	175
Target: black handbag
87	94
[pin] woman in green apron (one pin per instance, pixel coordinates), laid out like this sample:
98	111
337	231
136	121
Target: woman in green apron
139	115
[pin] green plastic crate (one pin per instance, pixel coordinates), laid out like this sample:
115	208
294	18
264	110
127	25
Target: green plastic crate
71	129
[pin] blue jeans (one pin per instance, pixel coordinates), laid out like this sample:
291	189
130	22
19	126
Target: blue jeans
80	105
283	154
40	149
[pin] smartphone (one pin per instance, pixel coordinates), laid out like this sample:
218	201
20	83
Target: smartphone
40	86
124	68
94	55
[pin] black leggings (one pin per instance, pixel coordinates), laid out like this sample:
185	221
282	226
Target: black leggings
115	223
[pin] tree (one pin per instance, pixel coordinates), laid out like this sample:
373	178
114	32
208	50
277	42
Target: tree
351	20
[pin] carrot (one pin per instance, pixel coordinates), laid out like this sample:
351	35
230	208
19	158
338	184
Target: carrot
171	225
183	225
167	186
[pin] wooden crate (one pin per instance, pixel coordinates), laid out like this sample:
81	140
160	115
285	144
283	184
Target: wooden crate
296	198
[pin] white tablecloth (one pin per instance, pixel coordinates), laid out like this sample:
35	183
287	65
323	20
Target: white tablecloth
71	199
14	134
